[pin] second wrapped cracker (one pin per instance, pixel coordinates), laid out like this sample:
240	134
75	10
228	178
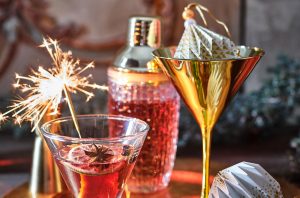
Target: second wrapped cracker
245	180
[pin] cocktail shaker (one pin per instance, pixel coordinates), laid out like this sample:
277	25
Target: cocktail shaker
138	88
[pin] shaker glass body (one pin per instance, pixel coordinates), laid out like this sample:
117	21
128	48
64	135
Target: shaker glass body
149	96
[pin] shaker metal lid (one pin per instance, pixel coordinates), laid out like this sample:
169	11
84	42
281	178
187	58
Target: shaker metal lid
144	31
144	36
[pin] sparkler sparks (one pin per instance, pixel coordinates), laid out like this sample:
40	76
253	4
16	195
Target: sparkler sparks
44	88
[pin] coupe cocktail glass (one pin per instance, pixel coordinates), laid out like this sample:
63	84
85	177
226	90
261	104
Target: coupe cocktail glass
99	163
206	86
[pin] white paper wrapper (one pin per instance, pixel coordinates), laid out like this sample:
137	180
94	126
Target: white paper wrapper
198	42
245	180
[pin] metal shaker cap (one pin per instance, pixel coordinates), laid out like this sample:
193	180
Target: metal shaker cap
144	36
144	31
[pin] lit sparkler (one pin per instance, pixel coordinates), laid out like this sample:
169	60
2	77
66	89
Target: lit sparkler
45	87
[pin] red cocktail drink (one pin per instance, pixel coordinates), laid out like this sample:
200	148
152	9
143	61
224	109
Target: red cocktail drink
89	176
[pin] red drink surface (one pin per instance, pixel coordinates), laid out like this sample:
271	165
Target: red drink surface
88	179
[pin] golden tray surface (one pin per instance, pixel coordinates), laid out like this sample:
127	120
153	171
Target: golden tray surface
185	183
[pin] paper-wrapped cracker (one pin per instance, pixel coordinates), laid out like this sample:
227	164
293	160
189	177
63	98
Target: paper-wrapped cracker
200	43
245	180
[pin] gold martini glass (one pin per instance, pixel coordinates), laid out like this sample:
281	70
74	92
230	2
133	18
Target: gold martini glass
207	87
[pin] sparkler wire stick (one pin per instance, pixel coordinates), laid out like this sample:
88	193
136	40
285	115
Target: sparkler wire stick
71	107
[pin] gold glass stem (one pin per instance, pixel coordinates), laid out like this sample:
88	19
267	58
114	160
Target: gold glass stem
206	141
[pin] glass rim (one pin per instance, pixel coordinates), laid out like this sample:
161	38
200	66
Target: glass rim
260	53
63	138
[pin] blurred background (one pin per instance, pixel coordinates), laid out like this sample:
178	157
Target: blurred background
262	123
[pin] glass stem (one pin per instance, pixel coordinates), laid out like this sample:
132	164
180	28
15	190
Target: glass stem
206	140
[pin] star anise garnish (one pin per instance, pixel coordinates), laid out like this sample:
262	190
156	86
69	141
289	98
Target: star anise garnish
100	154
